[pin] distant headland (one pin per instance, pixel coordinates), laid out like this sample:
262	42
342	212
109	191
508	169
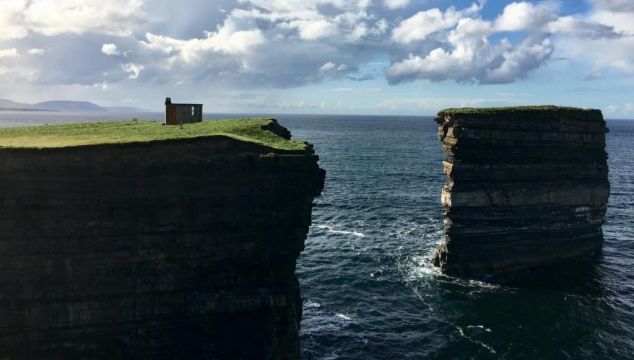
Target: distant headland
64	105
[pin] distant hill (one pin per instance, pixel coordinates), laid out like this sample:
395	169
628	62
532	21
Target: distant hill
65	105
12	104
9	105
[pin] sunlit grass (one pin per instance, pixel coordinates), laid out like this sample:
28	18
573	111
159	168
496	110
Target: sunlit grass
82	134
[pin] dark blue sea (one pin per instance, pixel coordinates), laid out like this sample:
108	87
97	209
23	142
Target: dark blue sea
370	291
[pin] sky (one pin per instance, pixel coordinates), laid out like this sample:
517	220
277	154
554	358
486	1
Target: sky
384	57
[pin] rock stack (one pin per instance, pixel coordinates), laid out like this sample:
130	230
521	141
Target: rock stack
181	249
525	187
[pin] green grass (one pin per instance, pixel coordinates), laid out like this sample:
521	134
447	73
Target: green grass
85	134
495	110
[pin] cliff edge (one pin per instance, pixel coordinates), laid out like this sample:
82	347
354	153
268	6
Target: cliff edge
140	241
525	187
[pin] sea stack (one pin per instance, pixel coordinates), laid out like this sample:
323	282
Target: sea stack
141	241
525	187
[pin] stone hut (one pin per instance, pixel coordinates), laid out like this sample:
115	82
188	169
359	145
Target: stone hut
177	114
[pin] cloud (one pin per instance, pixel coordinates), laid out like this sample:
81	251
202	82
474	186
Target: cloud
518	62
14	68
279	44
265	43
36	51
361	77
614	14
595	75
614	5
313	30
603	53
524	15
218	56
312	40
334	20
328	67
581	28
464	51
10	20
110	49
604	37
357	90
425	23
8	53
18	18
228	39
18	74
133	69
473	58
331	68
626	109
396	4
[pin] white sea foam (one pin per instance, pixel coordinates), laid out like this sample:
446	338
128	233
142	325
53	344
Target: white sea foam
311	305
332	230
344	317
477	342
482	327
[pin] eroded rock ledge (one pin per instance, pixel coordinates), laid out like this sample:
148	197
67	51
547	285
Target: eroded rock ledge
181	249
525	187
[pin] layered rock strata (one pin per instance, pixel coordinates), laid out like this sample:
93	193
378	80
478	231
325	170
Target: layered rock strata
524	187
181	249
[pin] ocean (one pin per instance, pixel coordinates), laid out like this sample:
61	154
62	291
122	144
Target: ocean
370	291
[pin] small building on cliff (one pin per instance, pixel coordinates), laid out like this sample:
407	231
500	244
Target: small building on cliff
178	114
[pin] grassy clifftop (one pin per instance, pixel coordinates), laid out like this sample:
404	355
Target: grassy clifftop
69	135
511	109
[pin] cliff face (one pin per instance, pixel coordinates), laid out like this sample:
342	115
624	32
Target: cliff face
525	187
164	250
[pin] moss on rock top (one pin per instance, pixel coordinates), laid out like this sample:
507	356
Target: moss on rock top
511	109
259	131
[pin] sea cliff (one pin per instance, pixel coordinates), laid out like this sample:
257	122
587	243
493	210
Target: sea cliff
154	247
525	187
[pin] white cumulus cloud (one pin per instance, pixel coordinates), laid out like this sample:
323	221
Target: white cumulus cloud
425	23
468	55
524	15
110	49
134	70
518	61
227	40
